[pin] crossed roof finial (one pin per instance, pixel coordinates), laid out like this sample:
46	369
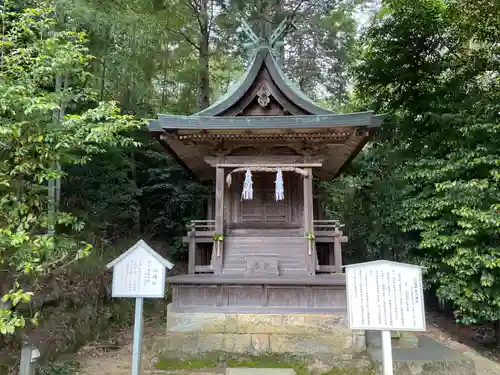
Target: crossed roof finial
273	42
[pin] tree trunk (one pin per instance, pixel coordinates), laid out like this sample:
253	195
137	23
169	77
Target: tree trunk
264	28
280	14
497	332
164	86
102	80
302	72
52	183
203	97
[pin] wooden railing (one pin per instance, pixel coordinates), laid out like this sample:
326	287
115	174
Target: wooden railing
328	231
201	227
325	231
200	231
326	225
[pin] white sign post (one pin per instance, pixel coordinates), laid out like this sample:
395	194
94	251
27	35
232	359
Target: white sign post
139	273
385	296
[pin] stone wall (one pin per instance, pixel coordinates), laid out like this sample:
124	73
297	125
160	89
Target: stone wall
193	334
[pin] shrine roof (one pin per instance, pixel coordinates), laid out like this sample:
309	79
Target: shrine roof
263	58
264	112
358	119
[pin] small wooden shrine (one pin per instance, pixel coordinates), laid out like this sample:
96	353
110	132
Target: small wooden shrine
265	246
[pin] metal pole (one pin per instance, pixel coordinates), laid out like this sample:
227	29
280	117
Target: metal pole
26	367
137	345
387	353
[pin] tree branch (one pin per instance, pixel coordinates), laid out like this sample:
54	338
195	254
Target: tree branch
197	11
212	17
188	39
294	12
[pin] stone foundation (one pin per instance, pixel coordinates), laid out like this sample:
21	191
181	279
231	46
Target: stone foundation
193	334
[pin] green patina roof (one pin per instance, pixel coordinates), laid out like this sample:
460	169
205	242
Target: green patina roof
213	117
236	89
358	119
235	92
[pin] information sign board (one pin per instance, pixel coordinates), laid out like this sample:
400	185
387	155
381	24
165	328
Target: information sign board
139	272
384	295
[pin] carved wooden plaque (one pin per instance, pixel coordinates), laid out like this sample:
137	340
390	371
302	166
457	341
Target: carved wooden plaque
261	265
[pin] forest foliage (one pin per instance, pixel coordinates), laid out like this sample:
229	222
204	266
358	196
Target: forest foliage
428	188
78	79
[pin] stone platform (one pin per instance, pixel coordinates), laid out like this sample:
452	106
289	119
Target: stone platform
429	358
198	333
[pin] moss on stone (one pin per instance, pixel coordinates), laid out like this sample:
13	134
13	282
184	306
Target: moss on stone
264	361
349	372
191	364
223	360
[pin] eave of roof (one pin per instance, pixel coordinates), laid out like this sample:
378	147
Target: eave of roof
172	122
237	90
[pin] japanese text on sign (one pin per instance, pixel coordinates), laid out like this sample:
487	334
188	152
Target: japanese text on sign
139	275
385	296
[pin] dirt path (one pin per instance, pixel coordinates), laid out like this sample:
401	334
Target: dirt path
114	357
447	333
95	358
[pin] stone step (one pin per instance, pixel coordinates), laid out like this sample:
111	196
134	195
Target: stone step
429	358
400	339
215	371
228	371
259	371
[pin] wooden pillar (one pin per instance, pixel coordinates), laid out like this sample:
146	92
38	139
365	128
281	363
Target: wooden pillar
227	204
308	220
219	217
331	252
192	250
210	207
337	249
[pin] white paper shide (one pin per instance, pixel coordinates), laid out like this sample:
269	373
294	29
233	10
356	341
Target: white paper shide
385	295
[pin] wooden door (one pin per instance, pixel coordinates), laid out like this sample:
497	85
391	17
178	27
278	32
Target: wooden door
252	210
274	211
264	208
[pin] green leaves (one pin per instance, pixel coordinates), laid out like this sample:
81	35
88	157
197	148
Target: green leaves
9	320
36	137
441	141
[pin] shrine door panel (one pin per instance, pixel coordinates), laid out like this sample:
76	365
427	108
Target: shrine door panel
274	211
252	210
263	207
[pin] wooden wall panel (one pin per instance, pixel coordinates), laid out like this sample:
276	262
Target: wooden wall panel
287	296
327	297
244	295
256	298
193	295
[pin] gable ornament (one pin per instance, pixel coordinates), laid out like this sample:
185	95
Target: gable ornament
263	97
